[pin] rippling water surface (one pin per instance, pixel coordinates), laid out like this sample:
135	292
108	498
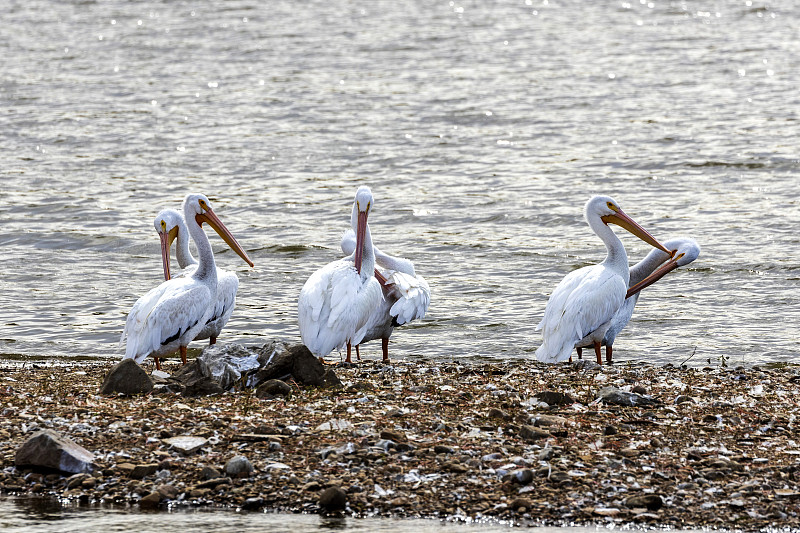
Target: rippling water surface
481	127
34	516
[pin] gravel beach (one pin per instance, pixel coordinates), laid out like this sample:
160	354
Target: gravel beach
517	441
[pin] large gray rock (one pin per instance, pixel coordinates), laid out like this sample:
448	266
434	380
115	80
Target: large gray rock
279	361
224	367
49	449
126	377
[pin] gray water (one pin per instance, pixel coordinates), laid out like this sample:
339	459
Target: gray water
481	127
35	516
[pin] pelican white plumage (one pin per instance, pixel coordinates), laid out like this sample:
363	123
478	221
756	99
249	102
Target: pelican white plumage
171	315
406	296
170	227
336	301
586	299
652	268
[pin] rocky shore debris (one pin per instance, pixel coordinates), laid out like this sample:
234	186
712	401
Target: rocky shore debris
267	368
126	377
49	449
432	439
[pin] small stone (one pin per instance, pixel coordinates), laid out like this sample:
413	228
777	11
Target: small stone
312	486
238	466
273	387
186	444
333	499
168	492
141	471
209	472
498	413
638	389
456	467
613	395
532	433
49	449
554	398
610	430
520	505
651	502
253	504
440	448
126	377
606	511
523	477
76	480
683	399
546	454
150	501
394	436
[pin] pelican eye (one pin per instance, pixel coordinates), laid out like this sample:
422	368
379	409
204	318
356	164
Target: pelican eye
680	255
163	225
611	206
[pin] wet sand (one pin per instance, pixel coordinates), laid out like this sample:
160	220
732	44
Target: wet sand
518	441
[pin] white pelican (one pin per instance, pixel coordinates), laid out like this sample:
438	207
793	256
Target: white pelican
406	296
171	315
170	226
337	300
643	274
586	299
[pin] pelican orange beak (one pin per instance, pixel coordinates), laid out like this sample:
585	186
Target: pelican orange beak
213	220
624	221
361	231
165	242
659	273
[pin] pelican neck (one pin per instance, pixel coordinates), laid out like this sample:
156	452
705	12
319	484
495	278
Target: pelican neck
206	267
393	263
617	258
182	252
646	266
367	256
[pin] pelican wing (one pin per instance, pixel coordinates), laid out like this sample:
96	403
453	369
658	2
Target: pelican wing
227	287
413	296
585	300
334	306
163	315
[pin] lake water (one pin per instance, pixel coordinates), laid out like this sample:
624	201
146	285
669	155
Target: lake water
35	516
481	127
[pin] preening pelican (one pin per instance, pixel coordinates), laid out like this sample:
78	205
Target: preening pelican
171	227
171	315
406	296
586	299
337	300
652	268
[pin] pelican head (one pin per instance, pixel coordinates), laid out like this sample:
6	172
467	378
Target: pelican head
608	211
167	224
198	206
684	250
358	220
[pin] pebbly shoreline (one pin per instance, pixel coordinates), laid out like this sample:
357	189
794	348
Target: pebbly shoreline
514	441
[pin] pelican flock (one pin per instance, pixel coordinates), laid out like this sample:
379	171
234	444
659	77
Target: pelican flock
351	301
171	227
406	296
652	268
586	300
171	315
336	302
